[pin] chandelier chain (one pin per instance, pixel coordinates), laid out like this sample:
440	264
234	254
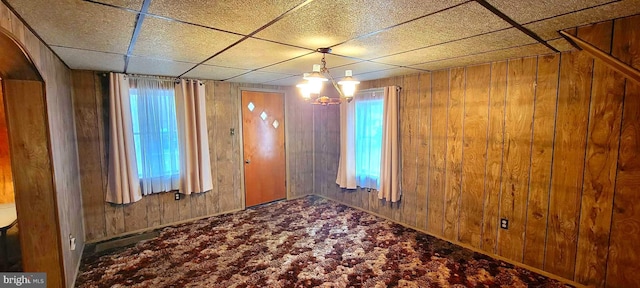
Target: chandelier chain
324	64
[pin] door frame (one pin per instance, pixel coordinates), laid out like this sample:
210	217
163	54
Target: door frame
239	133
25	192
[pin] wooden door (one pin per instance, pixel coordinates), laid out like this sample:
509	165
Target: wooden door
264	155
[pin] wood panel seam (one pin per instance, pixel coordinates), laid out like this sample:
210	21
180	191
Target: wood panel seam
446	143
464	112
533	122
584	169
616	179
504	130
553	145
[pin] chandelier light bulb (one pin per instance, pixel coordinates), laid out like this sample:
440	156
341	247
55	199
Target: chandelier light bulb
348	90
348	84
304	90
314	86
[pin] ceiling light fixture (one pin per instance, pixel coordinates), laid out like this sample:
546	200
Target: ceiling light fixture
312	88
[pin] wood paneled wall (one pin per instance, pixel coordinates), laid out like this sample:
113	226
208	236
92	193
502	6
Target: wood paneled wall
551	143
61	148
6	178
105	220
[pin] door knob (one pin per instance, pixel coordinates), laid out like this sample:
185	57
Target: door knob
247	161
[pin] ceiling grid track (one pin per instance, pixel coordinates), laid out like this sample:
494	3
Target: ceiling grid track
136	32
399	24
533	29
515	24
191	23
260	68
571	12
288	12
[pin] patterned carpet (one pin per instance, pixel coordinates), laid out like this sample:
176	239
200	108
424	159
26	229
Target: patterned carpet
301	243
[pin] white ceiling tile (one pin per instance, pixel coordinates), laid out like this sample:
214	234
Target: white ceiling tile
387	73
214	72
359	68
483	43
548	29
160	67
456	23
327	23
241	16
164	39
74	23
258	77
90	60
527	11
289	81
516	52
253	54
95	36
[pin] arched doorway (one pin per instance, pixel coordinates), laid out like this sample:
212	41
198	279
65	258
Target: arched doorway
31	161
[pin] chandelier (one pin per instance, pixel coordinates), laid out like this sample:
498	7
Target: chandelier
312	88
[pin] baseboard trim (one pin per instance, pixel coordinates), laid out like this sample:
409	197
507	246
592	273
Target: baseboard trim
467	246
149	229
299	196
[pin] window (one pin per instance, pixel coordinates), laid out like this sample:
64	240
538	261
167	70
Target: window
368	137
153	113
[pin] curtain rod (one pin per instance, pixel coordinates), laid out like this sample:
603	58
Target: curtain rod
157	78
153	78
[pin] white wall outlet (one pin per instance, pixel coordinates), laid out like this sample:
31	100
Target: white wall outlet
504	223
72	242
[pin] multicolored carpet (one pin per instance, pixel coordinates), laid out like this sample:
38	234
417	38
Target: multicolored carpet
307	242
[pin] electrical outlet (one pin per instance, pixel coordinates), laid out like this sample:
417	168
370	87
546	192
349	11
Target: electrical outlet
177	196
504	223
72	242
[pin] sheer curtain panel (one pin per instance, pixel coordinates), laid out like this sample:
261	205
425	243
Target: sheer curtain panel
155	131
368	137
123	185
390	166
195	169
347	165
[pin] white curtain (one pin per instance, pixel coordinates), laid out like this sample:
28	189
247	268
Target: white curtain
195	169
153	107
390	173
368	138
347	165
123	185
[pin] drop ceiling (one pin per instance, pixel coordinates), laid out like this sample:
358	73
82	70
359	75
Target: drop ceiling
274	41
